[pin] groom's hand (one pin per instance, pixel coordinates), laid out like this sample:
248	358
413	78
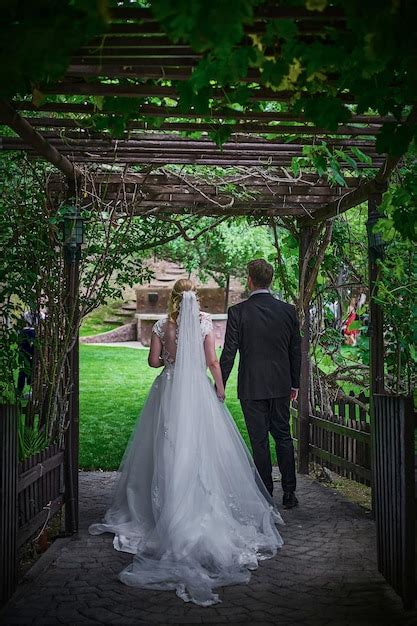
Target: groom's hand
294	394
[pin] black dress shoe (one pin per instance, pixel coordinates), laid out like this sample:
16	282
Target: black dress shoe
289	501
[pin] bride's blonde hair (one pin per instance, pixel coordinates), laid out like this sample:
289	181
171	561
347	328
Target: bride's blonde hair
174	302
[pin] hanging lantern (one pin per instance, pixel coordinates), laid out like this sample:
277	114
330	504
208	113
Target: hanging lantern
73	231
375	240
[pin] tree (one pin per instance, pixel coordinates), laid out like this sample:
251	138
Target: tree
222	252
32	278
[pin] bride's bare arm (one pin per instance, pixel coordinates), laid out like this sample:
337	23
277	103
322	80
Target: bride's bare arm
155	352
213	364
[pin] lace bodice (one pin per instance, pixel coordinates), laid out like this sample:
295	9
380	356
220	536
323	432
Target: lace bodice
167	331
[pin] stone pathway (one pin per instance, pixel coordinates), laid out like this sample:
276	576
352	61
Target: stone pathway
324	575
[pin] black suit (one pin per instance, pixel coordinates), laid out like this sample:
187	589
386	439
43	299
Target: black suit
266	333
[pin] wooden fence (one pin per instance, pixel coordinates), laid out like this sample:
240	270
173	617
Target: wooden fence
8	501
31	493
341	442
394	493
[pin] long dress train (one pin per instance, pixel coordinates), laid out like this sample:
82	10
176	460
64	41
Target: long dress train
189	503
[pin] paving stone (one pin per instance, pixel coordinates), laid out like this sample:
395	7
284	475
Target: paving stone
325	574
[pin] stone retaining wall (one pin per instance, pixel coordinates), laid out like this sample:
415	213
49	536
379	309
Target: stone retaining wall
154	300
127	332
145	322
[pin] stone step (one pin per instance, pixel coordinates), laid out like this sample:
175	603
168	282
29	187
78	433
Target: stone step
123	313
164	280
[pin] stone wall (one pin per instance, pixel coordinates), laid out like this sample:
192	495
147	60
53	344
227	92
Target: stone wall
155	299
145	322
127	332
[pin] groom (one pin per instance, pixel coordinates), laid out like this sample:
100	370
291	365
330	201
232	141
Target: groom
266	333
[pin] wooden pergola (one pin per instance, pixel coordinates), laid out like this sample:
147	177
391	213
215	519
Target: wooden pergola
136	59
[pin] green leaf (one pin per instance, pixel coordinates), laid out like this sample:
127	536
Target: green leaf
221	134
98	102
361	156
316	5
295	166
394	138
325	111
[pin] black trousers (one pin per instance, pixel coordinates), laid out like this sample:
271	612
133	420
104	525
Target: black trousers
271	416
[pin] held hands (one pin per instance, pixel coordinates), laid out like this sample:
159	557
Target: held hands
220	393
294	394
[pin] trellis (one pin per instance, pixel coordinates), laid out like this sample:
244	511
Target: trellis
260	152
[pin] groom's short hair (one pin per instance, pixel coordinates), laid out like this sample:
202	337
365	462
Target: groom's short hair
261	273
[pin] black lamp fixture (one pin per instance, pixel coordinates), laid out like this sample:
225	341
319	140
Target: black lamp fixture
73	230
375	240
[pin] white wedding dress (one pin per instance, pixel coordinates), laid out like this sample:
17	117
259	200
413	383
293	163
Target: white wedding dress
189	503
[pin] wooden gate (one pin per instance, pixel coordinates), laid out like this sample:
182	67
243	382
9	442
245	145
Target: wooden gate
394	484
31	492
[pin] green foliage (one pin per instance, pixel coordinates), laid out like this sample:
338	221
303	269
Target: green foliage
400	205
32	277
24	245
324	110
221	134
330	162
222	251
218	24
38	39
373	58
397	284
30	438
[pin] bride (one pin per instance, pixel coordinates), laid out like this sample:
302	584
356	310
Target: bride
189	503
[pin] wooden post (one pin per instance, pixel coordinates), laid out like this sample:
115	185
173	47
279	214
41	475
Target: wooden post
376	318
72	269
303	397
226	293
8	501
375	329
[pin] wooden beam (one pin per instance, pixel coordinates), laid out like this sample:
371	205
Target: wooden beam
167	142
240	127
329	14
148	91
349	200
214	211
172	111
376	315
376	185
9	116
309	182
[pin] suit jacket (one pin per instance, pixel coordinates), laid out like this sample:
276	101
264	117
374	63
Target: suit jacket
266	332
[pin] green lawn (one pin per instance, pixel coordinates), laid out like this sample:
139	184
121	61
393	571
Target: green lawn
114	383
94	323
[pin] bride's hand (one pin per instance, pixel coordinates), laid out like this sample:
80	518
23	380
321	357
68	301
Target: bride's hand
221	395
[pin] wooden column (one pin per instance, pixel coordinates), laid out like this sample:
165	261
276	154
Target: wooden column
72	269
375	331
303	397
376	317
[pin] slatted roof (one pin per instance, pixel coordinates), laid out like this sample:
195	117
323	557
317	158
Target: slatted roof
136	59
